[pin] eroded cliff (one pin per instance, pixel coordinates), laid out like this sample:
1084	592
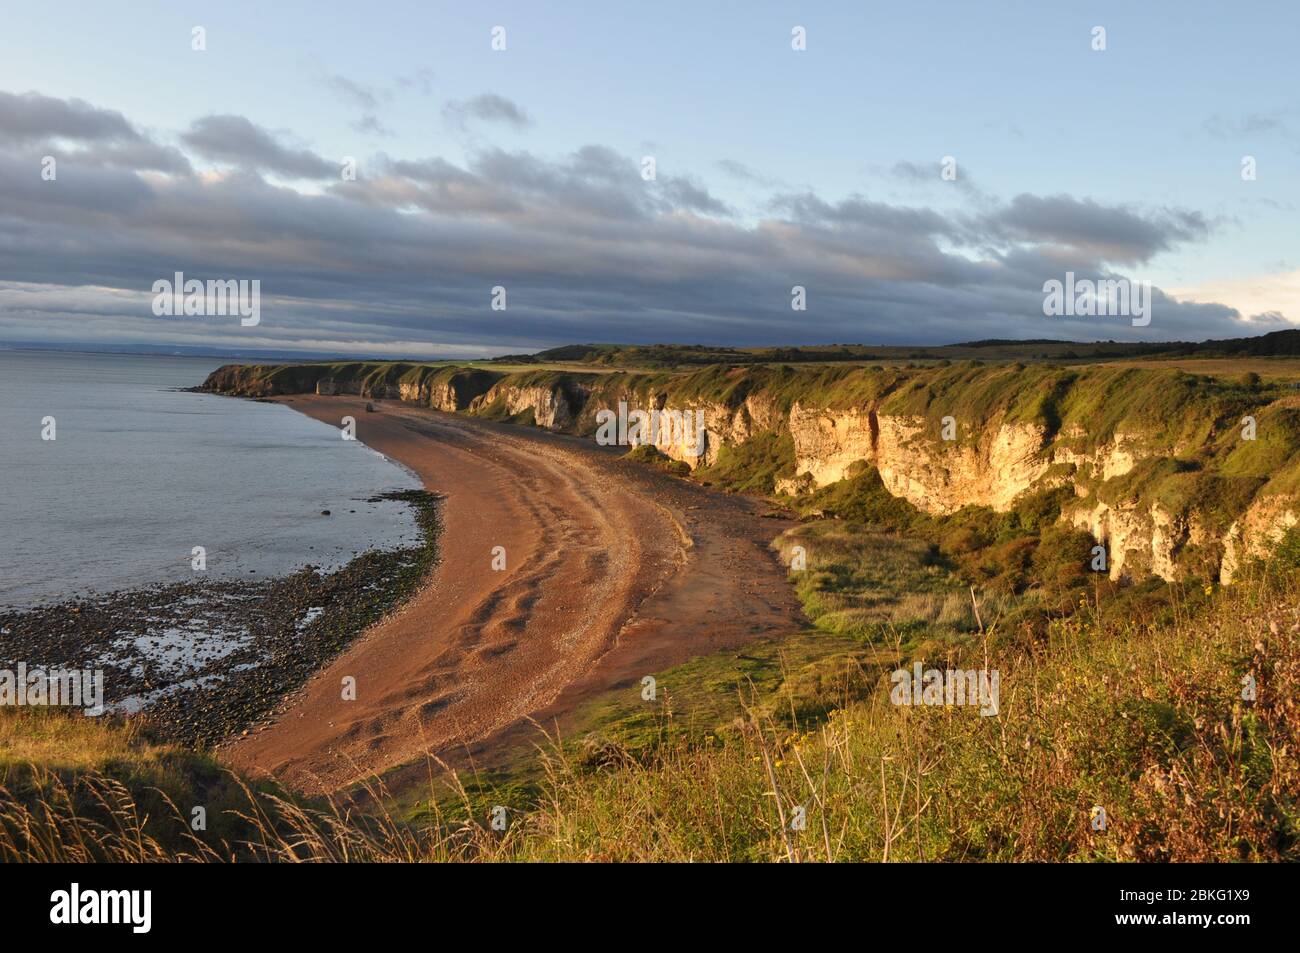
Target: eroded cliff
1176	474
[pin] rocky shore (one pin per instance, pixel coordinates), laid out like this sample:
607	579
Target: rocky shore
199	663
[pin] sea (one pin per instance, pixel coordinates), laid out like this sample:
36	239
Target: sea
111	474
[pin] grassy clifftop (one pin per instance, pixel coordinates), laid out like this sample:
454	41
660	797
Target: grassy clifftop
679	356
1100	397
366	378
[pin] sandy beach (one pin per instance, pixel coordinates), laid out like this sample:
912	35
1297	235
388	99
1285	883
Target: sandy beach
612	572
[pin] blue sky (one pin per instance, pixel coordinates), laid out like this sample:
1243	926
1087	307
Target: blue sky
1153	130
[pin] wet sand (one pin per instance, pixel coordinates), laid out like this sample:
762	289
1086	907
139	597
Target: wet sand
612	572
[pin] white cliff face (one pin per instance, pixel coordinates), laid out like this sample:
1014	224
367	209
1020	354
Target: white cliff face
1114	458
683	435
1140	540
936	476
330	387
723	426
1257	532
942	477
549	404
827	443
439	393
1119	530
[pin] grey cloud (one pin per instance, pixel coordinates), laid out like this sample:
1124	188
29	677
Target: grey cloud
1115	234
1273	319
486	107
859	212
930	174
682	193
421	80
364	96
370	124
32	117
103	137
367	98
147	156
432	184
593	181
235	139
920	172
738	170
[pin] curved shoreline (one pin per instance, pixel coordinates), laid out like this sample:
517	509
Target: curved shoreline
611	573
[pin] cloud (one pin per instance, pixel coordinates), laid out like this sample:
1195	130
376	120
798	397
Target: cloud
236	140
1108	233
75	131
403	261
370	124
486	107
421	81
365	97
145	156
31	117
930	175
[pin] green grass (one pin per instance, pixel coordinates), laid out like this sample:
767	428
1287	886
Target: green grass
647	454
752	467
876	587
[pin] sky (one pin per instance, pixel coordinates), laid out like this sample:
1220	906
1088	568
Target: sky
524	169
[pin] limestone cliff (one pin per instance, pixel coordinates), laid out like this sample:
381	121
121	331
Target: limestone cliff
1160	473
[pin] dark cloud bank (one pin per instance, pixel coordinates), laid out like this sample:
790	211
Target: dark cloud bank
403	259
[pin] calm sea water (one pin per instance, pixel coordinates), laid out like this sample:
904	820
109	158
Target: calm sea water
140	473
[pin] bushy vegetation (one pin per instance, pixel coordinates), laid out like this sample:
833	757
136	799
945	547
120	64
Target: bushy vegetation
877	587
647	454
752	467
1027	565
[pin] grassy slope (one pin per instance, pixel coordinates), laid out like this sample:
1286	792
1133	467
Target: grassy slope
1143	719
74	788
